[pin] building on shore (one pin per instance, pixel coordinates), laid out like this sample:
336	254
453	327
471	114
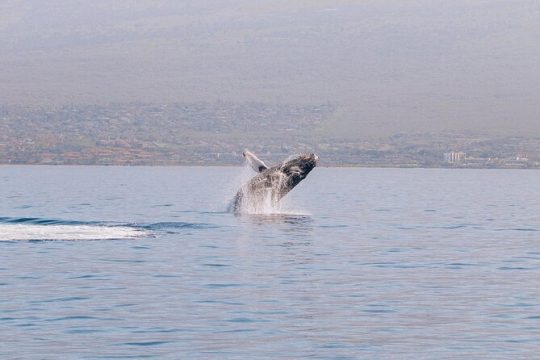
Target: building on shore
454	157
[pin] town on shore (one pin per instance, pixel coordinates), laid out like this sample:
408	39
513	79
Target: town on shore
216	133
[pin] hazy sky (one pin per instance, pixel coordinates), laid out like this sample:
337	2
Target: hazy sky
389	66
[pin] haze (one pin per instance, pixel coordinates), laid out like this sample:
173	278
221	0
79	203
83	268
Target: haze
387	66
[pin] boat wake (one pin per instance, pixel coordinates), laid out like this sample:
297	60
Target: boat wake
15	229
38	229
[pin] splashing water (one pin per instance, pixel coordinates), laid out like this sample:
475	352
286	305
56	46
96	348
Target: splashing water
263	200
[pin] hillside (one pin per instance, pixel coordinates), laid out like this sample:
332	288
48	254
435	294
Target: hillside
387	67
205	133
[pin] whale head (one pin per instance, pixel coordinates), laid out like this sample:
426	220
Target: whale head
297	168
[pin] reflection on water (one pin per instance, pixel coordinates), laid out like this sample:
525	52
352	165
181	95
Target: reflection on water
278	218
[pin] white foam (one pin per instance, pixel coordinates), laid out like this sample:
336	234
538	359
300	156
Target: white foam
11	232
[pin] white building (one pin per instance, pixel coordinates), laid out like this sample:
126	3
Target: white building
454	157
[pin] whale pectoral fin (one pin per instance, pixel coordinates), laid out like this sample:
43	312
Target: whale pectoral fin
255	163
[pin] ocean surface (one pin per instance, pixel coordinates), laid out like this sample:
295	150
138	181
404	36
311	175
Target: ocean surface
145	262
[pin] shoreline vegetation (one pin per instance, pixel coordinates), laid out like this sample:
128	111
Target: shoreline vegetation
344	166
216	133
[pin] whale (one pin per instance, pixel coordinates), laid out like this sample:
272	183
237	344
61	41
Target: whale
271	184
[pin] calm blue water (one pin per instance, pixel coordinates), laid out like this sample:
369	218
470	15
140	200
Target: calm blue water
144	262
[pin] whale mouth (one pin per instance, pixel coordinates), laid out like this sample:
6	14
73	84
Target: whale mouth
311	160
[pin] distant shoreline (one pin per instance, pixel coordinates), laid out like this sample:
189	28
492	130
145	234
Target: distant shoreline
240	166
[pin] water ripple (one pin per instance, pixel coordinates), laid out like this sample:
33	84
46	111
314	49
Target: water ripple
371	273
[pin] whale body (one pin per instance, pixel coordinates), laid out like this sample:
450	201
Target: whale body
272	183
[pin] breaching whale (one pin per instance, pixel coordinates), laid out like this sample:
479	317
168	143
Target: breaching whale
272	183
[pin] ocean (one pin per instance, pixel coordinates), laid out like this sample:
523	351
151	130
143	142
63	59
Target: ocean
145	262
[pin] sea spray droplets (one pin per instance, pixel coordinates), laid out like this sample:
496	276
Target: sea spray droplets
264	200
